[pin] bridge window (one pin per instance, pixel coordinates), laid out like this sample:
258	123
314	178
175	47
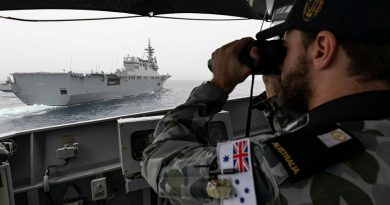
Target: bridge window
113	80
63	91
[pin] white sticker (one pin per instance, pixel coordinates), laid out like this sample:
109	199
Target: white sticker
334	138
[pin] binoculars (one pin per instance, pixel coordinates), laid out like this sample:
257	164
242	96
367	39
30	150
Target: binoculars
272	54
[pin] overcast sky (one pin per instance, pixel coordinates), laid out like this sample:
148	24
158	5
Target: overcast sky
182	47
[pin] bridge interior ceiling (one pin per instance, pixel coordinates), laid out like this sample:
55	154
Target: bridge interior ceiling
251	9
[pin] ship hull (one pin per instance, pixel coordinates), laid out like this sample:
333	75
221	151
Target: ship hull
59	89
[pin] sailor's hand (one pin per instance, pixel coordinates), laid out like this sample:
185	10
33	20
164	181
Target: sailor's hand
218	188
227	69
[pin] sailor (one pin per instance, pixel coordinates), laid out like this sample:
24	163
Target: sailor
336	73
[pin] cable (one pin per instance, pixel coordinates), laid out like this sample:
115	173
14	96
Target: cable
65	20
201	19
46	185
120	17
262	22
7	149
249	116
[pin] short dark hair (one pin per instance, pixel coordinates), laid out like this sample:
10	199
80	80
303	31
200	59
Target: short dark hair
370	61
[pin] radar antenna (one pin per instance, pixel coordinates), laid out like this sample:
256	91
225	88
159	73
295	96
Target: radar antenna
150	51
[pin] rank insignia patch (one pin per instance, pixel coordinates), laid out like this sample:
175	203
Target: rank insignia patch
334	138
312	9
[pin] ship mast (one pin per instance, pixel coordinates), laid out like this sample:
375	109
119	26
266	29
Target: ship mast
150	52
151	58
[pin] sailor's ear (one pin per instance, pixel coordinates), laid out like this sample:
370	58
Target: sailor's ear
323	49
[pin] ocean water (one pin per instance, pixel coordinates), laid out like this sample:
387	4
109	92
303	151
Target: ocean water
16	116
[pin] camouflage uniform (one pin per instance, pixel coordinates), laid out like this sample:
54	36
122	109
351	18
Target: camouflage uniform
175	165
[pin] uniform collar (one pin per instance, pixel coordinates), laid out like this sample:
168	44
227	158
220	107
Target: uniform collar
373	105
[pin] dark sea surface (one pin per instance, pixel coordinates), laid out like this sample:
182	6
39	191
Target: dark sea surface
16	116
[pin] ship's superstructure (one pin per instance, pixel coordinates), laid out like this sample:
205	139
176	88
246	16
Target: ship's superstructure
137	76
6	86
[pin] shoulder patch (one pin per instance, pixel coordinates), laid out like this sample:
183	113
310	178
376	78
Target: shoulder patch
334	137
307	152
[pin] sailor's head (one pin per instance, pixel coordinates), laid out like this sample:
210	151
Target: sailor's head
354	19
316	32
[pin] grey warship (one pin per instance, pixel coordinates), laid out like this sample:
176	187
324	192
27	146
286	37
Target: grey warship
137	76
99	161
